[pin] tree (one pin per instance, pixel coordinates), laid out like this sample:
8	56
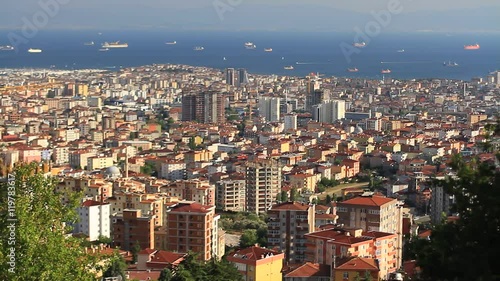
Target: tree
368	276
147	169
166	275
328	199
248	238
283	197
116	268
294	194
104	240
135	251
34	244
465	249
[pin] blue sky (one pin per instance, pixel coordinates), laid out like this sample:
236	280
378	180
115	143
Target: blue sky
311	15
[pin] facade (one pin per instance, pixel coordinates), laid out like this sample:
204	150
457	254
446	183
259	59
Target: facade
230	195
357	267
289	222
290	122
173	170
98	162
263	183
131	227
258	264
193	227
269	108
94	220
329	111
200	191
440	204
373	213
204	107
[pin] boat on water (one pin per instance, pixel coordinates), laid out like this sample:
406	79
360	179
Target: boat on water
89	43
288	67
31	50
385	71
114	45
199	48
103	50
268	49
472	47
171	43
6	48
401	51
359	45
250	45
353	69
451	64
224	58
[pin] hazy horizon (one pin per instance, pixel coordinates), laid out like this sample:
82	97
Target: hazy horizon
280	15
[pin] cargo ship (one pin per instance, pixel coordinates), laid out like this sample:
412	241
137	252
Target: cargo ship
115	45
451	64
385	71
6	48
472	47
31	50
359	45
250	45
198	48
268	49
288	67
353	69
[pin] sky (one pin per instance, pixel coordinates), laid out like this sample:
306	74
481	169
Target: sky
272	15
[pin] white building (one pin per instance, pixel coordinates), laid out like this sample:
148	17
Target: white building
173	170
94	220
269	108
329	111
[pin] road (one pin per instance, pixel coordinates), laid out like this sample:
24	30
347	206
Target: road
337	189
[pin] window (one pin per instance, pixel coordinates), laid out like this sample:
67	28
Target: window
345	275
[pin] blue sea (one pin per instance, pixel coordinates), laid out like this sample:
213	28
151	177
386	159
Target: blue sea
423	56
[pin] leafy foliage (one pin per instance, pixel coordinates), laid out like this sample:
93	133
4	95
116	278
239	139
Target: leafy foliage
466	249
192	269
40	247
116	268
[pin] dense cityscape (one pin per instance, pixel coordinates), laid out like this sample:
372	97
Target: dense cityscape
181	170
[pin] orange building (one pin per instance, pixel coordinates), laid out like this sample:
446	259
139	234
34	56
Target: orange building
258	264
132	227
194	227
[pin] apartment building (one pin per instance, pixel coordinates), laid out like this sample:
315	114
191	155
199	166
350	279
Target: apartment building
258	264
131	227
94	220
230	195
263	180
194	227
200	191
373	213
149	204
288	224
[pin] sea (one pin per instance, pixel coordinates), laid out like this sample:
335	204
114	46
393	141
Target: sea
424	56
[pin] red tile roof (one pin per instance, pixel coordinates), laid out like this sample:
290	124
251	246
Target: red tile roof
310	270
368	201
251	253
291	206
358	263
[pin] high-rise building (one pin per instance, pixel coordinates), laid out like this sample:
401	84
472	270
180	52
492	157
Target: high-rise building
204	107
288	224
440	204
230	195
94	220
329	111
269	108
242	77
374	213
131	227
263	180
194	227
290	122
316	97
231	77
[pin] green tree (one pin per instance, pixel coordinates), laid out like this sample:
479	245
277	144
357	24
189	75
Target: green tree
328	199
147	169
166	275
368	276
248	238
294	194
135	251
116	268
465	249
104	240
192	144
34	244
283	197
